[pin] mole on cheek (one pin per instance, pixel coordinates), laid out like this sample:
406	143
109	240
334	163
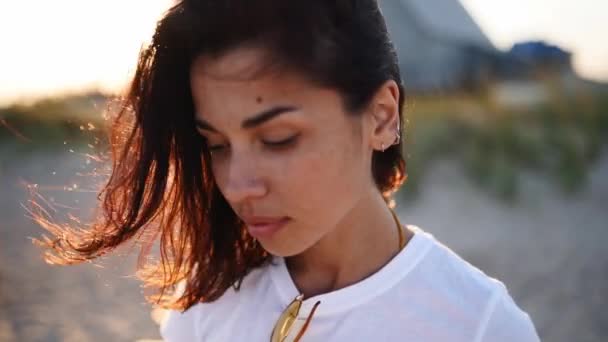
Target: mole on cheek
258	99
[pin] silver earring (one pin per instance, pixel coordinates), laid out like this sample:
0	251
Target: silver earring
398	133
382	146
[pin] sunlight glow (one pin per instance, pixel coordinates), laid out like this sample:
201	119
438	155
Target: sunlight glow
67	45
49	47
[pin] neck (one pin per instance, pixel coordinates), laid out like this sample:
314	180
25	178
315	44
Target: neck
363	242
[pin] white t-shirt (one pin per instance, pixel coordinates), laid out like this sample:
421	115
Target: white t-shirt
425	293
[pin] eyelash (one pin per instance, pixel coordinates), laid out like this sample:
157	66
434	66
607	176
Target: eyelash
271	144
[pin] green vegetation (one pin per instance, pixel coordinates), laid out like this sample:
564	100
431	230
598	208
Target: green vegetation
51	122
561	139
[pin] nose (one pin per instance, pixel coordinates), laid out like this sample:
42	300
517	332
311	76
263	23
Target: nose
242	180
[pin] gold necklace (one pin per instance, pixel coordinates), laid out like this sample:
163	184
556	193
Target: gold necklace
399	229
289	315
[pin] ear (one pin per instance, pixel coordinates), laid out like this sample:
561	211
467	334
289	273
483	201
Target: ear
384	112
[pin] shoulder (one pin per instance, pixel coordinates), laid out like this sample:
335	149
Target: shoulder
190	324
505	321
181	326
468	290
450	275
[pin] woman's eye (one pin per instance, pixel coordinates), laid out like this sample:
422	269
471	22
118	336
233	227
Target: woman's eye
211	147
275	144
280	143
215	148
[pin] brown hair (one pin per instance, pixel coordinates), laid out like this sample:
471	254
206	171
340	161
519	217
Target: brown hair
161	185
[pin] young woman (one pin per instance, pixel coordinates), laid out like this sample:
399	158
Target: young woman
260	144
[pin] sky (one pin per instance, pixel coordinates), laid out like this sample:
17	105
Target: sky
50	47
579	26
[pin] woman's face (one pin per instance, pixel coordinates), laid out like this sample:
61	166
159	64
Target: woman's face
281	147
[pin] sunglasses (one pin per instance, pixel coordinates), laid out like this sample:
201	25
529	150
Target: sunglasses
288	317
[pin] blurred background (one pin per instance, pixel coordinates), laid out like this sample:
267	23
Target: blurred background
506	132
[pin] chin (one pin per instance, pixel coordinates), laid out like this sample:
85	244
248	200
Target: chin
280	251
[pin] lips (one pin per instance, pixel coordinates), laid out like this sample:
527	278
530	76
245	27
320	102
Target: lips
260	227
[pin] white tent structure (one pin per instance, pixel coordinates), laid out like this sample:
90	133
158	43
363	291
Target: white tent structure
438	43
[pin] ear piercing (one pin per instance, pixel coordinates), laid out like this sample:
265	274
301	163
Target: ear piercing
398	138
396	142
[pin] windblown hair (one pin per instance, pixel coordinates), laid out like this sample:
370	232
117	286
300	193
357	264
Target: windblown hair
161	183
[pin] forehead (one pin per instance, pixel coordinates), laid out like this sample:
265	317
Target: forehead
244	70
240	63
243	67
239	81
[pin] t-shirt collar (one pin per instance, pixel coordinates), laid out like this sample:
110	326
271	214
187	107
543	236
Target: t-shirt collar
350	296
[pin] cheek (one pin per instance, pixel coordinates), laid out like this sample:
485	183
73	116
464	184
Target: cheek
321	180
219	174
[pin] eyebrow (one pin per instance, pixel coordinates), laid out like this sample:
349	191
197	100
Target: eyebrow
253	121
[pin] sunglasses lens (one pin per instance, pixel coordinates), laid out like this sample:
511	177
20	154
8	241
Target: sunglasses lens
285	321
